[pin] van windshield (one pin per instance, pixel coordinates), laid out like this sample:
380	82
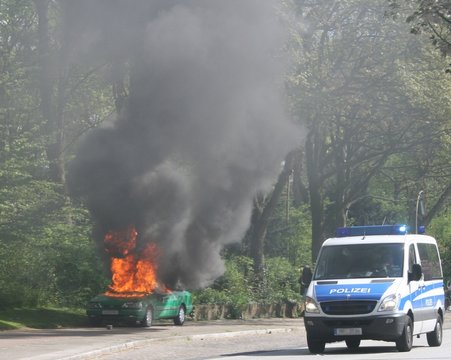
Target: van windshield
360	261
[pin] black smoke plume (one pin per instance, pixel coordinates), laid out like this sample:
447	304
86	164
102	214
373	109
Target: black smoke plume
203	130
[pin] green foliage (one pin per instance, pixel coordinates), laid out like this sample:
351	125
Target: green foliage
289	234
45	245
239	286
440	229
234	287
210	295
281	282
376	108
371	96
50	263
431	17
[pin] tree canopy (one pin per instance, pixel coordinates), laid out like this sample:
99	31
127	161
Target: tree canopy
432	17
372	100
358	87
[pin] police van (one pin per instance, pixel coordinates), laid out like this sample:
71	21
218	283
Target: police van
375	282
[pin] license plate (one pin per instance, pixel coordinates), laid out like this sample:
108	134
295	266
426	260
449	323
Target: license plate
110	312
347	331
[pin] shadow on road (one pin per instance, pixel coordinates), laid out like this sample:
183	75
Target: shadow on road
89	332
331	351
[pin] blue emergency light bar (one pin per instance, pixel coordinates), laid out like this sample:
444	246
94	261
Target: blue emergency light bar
397	229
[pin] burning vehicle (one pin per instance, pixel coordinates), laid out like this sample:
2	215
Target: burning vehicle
135	295
140	309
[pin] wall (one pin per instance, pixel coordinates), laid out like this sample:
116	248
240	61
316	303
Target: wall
250	311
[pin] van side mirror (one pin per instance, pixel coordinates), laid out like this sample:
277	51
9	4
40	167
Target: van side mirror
416	273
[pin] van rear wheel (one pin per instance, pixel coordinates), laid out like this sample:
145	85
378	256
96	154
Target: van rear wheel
404	343
435	337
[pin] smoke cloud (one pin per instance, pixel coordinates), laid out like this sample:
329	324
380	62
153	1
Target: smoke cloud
203	130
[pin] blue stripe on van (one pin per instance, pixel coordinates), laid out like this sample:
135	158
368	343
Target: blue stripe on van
423	301
339	292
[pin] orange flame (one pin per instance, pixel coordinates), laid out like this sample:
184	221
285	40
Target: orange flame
133	274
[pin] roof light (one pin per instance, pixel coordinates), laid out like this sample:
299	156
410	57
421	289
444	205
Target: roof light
398	229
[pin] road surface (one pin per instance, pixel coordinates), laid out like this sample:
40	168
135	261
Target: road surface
222	339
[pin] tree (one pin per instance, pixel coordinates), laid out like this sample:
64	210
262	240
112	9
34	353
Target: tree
36	239
432	17
263	208
62	79
352	90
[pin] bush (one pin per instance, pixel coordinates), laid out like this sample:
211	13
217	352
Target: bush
281	282
440	228
238	286
52	262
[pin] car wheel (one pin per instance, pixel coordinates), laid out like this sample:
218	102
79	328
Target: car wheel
180	318
352	344
404	343
435	337
147	321
315	346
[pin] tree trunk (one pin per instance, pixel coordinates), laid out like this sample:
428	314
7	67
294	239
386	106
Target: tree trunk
300	191
46	90
261	219
316	201
51	105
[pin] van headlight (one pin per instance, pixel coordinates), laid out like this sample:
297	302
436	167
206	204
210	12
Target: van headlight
390	303
310	305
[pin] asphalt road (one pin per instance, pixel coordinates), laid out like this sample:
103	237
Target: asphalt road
369	350
238	339
89	343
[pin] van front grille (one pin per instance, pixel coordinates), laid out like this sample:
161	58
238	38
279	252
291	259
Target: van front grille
347	322
352	307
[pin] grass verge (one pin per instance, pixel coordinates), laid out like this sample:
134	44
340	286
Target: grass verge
42	318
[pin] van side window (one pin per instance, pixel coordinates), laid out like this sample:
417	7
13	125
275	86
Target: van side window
412	257
430	262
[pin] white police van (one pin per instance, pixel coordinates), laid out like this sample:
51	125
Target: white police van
375	282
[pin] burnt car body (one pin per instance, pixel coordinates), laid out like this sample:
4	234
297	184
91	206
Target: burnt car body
140	308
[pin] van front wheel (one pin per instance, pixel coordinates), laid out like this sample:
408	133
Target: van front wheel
435	337
352	344
315	346
404	343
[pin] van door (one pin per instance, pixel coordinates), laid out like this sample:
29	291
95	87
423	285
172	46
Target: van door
433	283
415	292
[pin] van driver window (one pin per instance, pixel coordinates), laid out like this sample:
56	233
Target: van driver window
430	262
